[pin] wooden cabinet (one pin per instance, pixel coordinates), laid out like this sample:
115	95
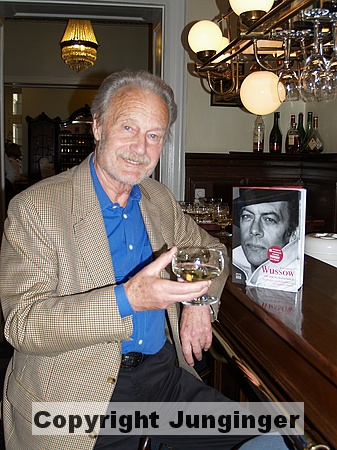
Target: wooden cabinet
42	143
219	173
75	140
56	145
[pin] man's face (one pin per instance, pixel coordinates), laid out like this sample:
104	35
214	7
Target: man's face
132	136
262	226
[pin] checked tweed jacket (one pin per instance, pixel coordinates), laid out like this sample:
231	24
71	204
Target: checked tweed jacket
57	294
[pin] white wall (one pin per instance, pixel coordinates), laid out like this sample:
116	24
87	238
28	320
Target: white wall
223	129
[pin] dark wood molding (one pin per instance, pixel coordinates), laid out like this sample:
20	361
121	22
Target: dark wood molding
219	173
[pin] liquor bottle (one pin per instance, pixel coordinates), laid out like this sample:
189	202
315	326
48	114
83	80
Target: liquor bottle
258	135
275	137
315	143
305	148
300	128
293	143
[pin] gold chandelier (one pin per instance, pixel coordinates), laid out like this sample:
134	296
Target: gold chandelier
79	45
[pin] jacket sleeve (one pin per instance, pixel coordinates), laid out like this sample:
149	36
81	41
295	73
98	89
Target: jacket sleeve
38	318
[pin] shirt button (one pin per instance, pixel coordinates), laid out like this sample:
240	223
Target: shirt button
125	216
111	380
131	247
140	341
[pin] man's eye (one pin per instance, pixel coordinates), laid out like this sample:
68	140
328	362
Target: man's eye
127	127
246	217
270	220
153	136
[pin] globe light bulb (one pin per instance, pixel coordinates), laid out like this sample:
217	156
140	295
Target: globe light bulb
223	44
242	6
261	93
204	35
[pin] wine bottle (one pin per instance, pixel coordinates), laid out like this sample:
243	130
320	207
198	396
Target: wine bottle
308	132
293	143
258	135
300	128
315	143
275	137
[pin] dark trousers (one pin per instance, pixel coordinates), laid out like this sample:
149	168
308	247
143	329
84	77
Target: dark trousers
157	379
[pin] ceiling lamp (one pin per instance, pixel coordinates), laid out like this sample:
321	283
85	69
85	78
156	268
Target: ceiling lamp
79	45
261	93
249	11
204	38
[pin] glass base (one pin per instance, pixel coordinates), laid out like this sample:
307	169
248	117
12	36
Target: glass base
201	301
223	234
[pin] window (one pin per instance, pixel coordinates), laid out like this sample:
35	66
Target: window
13	113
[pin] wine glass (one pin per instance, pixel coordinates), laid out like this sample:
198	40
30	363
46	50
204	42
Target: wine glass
287	76
213	202
197	264
221	216
315	84
332	64
198	212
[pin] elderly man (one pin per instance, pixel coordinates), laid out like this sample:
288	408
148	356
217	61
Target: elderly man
90	308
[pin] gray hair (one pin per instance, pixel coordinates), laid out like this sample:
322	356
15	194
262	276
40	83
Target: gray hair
141	79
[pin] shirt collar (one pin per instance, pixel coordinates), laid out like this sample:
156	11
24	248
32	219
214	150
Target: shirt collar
103	198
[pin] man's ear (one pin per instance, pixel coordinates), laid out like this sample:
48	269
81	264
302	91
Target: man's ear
293	235
96	129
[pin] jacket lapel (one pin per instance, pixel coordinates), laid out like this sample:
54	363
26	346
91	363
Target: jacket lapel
151	217
89	228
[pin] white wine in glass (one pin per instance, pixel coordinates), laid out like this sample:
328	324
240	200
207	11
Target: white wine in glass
197	264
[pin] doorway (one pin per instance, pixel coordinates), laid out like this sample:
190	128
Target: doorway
172	20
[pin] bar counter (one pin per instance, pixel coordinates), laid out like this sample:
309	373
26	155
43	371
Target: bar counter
285	346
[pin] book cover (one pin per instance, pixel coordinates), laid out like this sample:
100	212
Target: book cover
269	237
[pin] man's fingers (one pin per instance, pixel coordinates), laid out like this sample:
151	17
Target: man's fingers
163	260
187	351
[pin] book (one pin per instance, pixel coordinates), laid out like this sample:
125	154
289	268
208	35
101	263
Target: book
269	237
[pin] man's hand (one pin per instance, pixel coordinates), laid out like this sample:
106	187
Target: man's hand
195	331
148	291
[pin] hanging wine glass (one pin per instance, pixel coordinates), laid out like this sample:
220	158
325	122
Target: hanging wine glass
288	76
332	65
315	84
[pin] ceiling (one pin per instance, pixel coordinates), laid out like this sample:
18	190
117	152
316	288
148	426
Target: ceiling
63	10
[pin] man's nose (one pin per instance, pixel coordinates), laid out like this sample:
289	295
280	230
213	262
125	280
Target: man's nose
256	229
139	145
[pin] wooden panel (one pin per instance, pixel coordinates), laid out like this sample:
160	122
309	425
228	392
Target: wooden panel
219	173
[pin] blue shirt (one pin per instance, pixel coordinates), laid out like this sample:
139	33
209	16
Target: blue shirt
130	250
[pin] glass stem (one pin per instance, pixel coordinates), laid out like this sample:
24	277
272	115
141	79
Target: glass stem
316	36
334	31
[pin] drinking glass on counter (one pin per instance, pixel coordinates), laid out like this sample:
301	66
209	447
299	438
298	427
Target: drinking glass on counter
198	212
222	217
211	202
197	264
185	206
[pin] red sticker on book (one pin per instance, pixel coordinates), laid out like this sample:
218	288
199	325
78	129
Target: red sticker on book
275	254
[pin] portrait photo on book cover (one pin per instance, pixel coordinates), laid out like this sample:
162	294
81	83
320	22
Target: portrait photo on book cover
268	237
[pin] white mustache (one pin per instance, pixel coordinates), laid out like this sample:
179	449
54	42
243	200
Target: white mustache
137	159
